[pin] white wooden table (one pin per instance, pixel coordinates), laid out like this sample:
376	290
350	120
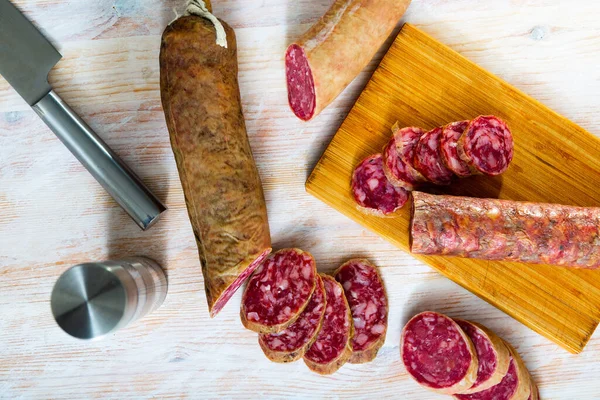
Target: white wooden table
54	215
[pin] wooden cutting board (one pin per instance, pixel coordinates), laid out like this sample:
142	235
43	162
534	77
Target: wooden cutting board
421	82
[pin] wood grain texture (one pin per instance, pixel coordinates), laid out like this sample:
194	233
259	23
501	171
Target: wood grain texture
54	215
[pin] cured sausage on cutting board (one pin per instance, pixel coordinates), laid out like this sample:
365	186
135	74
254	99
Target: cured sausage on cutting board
222	187
335	50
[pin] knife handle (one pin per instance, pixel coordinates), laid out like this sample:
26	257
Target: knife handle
104	165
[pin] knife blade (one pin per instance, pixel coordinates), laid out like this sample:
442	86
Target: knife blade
26	58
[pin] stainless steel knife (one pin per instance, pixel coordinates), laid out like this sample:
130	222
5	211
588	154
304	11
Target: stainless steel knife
26	58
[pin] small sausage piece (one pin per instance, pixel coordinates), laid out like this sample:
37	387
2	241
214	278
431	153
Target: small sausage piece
492	354
335	50
428	158
449	142
291	343
486	145
332	348
438	354
373	192
222	188
364	290
398	155
279	291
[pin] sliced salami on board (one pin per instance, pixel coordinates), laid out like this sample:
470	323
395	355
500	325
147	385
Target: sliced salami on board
428	158
291	343
449	142
398	157
487	145
365	292
372	190
492	353
279	291
332	347
438	354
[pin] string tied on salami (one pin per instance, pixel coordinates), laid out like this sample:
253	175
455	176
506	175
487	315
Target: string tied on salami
199	8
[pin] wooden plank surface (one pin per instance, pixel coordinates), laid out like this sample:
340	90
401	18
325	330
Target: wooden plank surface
54	215
421	82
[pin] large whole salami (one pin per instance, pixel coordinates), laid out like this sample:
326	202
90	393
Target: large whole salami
438	354
486	145
332	347
515	385
398	155
291	343
492	353
505	230
372	191
335	50
223	191
366	296
448	143
428	158
279	291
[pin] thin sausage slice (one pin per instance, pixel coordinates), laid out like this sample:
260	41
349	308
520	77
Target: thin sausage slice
398	156
449	141
428	158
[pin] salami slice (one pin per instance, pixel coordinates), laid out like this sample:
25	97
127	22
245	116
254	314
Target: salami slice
486	145
332	347
428	158
438	354
398	155
505	230
279	291
449	141
291	343
373	192
515	385
492	354
366	295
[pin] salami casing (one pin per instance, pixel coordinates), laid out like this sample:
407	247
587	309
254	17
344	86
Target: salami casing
332	347
515	385
492	354
373	192
222	188
365	292
335	50
399	149
438	354
505	230
486	145
291	343
279	291
428	158
535	392
449	142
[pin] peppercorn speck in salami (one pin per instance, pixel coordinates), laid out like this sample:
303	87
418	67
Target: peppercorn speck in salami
332	347
487	145
449	142
366	296
279	291
372	191
492	354
438	354
428	158
398	156
291	343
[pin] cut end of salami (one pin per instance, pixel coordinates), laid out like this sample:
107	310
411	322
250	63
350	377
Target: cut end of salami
230	291
290	344
279	291
372	191
332	347
398	156
449	142
438	354
428	158
487	145
300	83
365	292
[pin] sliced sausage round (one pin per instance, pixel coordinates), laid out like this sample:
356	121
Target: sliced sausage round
366	295
398	155
449	142
438	354
428	158
279	291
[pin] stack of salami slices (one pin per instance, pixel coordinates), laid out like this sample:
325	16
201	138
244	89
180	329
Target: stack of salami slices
463	359
413	156
326	320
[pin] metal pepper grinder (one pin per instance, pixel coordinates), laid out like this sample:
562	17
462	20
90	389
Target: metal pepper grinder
94	299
